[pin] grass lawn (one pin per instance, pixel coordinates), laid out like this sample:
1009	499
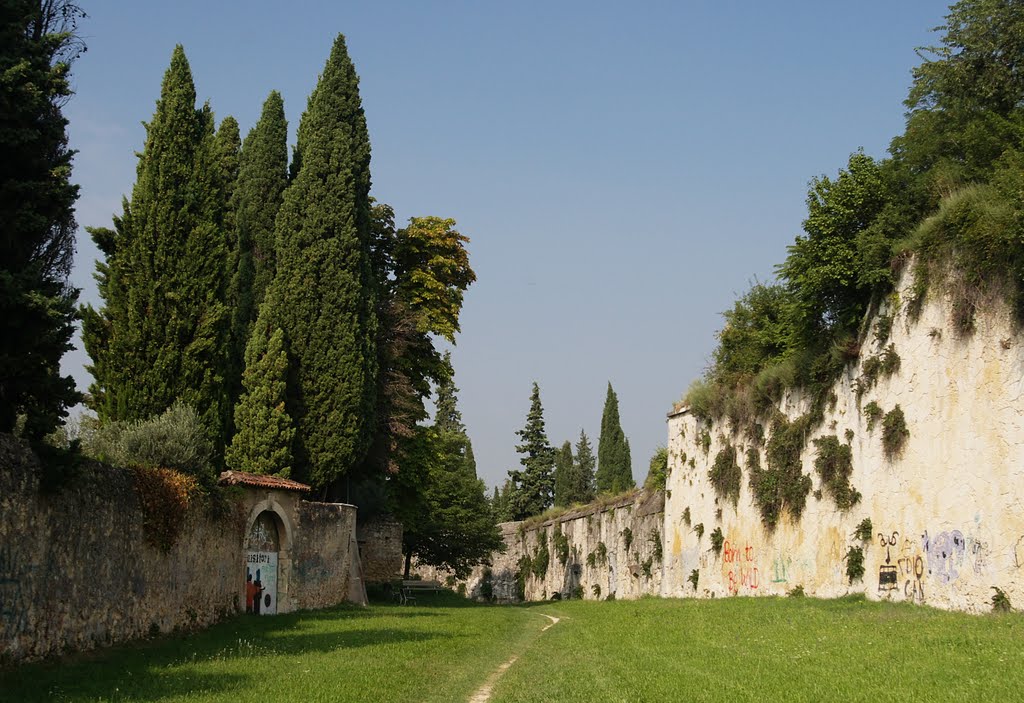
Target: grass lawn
440	649
443	649
768	649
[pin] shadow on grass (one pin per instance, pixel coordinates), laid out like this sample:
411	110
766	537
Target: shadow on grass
168	666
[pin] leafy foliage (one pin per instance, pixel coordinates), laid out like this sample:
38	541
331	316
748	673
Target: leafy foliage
834	464
894	432
162	334
725	474
165	496
854	564
264	433
874	413
324	292
783	484
694	578
175	439
657	472
864	530
565	467
717	540
38	43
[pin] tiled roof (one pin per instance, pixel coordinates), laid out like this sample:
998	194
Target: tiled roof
241	478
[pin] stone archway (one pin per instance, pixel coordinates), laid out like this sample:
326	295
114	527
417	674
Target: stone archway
268	541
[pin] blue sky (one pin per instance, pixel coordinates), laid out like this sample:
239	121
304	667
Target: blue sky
623	172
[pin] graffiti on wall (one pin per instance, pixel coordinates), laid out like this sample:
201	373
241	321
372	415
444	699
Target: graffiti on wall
945	554
741	570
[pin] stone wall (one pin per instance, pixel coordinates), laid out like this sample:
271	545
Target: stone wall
947	513
614	549
380	547
76	571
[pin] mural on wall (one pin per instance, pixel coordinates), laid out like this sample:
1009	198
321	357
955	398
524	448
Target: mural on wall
261	583
262	546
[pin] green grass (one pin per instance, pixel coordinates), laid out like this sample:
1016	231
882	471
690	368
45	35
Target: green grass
440	649
768	649
443	649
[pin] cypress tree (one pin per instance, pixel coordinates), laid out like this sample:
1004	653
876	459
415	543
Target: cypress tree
447	417
583	489
264	433
162	333
37	225
325	292
565	478
258	193
532	487
614	467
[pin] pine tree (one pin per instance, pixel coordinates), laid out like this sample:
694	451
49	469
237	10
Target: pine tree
565	475
614	467
259	190
264	433
533	485
324	282
162	333
37	225
583	489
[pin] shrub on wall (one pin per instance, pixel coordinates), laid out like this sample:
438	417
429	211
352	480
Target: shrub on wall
164	495
783	485
874	414
717	540
693	578
627	537
834	464
175	439
725	474
854	564
561	543
894	432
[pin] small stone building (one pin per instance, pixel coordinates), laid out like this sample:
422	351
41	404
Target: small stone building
297	553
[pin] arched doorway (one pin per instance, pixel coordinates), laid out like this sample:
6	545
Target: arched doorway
262	548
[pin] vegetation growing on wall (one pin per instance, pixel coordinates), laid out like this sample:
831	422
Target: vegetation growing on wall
873	413
854	564
864	530
165	496
693	578
947	197
725	474
834	464
627	537
561	544
894	432
717	540
783	485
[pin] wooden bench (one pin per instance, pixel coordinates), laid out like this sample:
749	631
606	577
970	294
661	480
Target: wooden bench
409	589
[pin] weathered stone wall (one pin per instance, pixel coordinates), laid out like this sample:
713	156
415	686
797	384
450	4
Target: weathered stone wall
947	514
598	554
322	555
380	548
76	571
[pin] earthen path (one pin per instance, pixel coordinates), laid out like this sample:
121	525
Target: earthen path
483	694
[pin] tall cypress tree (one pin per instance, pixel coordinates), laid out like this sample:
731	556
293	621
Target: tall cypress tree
37	225
258	193
565	479
263	439
614	467
324	281
447	417
532	487
583	489
162	333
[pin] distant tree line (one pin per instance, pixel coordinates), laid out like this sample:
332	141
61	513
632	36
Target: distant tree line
559	478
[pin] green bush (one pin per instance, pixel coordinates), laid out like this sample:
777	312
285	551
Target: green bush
176	439
874	413
725	474
854	564
627	537
894	432
693	578
834	464
717	540
561	543
864	530
783	485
